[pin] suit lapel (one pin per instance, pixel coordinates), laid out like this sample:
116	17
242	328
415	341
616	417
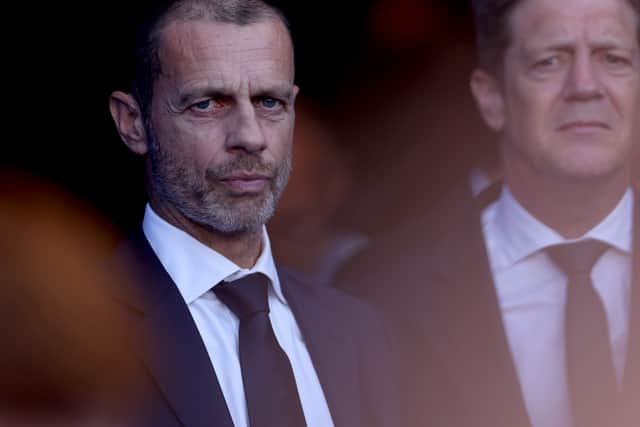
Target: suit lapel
464	319
332	353
169	343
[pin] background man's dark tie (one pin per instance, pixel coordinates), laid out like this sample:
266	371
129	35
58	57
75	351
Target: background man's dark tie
269	385
591	377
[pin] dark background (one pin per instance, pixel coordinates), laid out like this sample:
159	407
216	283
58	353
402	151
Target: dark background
389	76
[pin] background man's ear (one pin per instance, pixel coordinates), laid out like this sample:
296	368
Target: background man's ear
127	116
488	96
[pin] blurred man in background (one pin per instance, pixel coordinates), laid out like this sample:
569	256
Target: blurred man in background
521	307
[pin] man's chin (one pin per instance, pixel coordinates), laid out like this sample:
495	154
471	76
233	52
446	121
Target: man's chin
590	170
239	219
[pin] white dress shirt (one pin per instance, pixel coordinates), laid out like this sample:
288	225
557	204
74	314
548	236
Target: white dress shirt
532	293
195	269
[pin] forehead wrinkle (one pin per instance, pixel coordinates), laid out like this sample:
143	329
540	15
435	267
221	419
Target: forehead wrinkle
177	50
612	33
552	29
280	37
252	60
198	63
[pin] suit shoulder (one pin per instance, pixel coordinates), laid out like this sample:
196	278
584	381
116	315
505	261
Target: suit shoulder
347	302
338	302
413	252
136	276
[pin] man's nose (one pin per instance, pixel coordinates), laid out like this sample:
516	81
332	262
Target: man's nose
244	131
583	79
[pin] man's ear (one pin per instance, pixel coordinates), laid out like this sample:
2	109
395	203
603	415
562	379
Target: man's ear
488	95
296	91
127	116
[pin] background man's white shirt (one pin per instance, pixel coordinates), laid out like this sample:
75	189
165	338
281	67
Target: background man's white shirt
532	292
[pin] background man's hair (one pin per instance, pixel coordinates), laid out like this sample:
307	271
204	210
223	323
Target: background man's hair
147	66
493	33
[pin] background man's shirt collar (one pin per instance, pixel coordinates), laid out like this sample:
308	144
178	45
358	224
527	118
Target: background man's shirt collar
520	234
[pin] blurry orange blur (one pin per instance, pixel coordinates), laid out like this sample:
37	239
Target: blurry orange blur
61	360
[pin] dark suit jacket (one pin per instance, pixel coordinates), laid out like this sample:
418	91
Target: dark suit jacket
176	383
433	281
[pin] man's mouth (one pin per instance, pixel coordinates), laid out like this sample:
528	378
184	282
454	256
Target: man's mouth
584	126
246	183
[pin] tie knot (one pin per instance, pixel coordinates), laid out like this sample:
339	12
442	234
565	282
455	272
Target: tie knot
577	258
245	296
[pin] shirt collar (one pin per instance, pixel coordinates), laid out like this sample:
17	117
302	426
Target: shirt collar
520	234
196	268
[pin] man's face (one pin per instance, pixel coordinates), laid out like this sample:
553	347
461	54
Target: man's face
221	122
570	95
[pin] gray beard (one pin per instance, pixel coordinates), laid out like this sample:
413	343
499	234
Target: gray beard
207	207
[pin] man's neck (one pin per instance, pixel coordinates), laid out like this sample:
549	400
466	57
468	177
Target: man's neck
571	207
243	248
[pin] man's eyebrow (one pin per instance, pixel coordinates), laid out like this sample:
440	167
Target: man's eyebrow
280	90
568	47
189	93
558	47
610	44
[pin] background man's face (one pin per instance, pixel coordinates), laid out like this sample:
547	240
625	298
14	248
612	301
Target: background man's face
571	88
222	122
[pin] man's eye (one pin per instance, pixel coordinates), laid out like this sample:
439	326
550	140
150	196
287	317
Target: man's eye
203	105
613	59
270	103
209	105
617	62
547	62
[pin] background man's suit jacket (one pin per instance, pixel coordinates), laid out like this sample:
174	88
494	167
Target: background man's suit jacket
176	383
433	281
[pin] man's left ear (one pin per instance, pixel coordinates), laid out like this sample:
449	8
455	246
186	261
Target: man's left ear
127	116
488	96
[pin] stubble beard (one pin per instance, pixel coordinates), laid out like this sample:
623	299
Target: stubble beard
210	205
